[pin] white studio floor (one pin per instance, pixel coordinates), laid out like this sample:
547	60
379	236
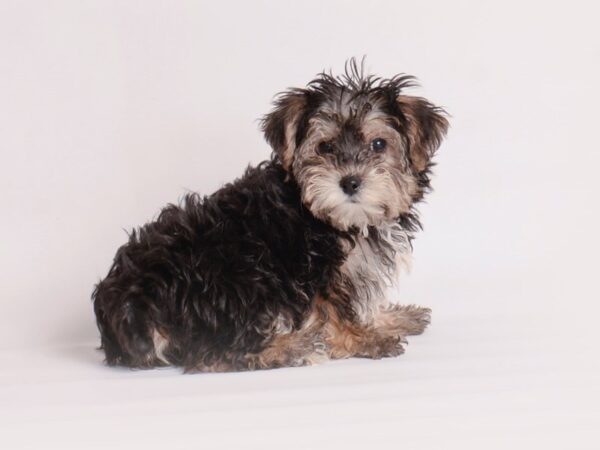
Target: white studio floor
473	381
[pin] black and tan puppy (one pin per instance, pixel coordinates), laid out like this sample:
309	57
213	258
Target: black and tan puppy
289	264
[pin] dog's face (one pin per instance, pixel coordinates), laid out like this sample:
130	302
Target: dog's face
358	149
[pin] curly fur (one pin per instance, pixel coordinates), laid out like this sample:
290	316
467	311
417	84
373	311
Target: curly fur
279	268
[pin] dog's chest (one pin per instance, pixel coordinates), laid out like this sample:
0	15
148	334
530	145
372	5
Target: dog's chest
373	265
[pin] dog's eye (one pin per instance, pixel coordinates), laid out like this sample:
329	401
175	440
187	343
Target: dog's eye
325	147
378	144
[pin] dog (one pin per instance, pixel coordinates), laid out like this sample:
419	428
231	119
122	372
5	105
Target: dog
290	264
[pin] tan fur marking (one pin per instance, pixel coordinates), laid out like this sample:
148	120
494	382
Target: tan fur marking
160	345
345	339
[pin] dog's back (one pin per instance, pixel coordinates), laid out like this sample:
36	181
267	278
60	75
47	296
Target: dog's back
205	282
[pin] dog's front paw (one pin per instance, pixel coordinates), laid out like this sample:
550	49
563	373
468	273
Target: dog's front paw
391	346
416	318
383	347
398	320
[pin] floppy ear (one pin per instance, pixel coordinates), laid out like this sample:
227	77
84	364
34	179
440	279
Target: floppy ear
426	126
280	126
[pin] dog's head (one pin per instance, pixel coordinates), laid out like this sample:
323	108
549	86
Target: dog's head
358	148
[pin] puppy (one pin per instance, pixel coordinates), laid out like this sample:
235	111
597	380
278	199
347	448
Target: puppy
291	263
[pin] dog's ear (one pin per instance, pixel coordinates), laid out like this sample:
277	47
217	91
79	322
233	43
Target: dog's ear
280	126
426	126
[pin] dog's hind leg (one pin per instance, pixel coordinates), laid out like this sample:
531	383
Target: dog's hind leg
130	335
140	336
299	348
294	349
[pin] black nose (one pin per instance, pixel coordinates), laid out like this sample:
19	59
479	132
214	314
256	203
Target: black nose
350	184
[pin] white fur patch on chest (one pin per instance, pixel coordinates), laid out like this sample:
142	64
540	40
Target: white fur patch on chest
373	266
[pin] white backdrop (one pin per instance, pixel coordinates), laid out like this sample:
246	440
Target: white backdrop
111	109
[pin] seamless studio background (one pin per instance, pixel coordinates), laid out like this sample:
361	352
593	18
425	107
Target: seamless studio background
109	110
